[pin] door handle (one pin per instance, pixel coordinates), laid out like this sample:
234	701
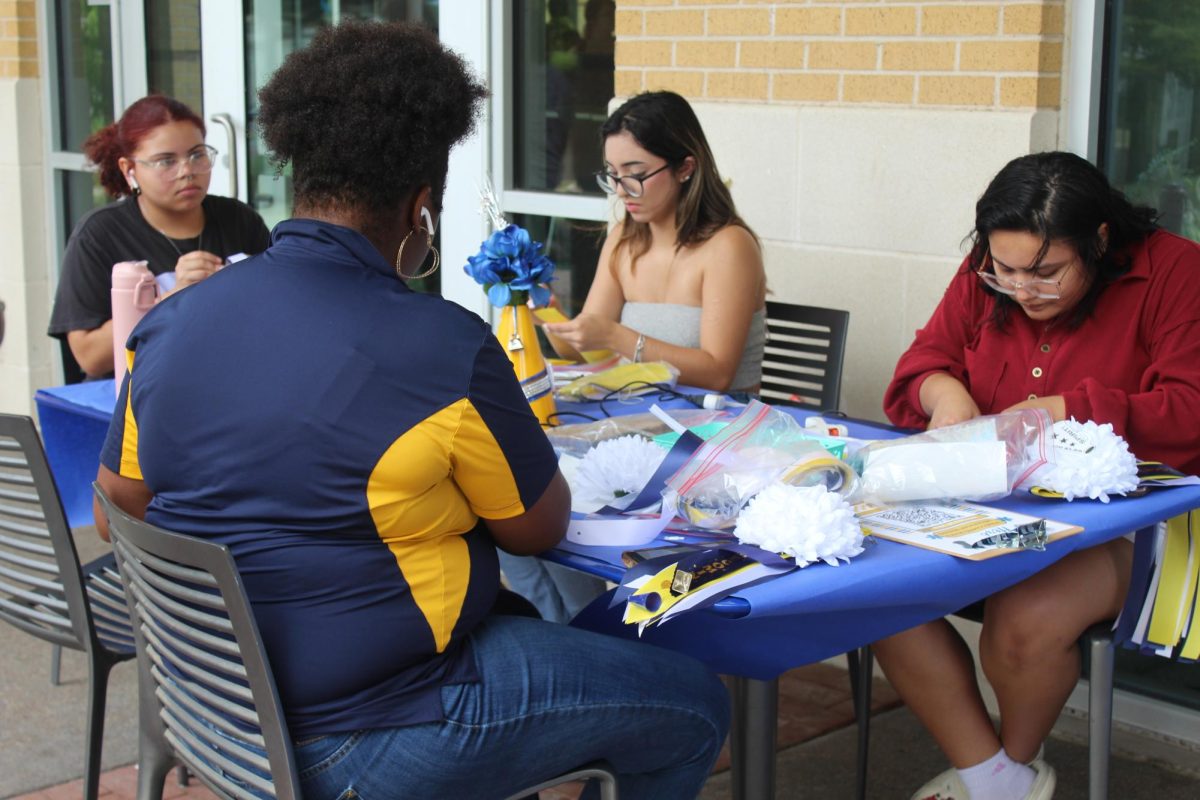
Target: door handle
226	122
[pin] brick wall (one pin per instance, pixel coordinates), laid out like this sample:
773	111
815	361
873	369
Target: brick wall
995	54
18	39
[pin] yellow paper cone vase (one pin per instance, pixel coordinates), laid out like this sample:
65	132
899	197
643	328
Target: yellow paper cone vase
518	337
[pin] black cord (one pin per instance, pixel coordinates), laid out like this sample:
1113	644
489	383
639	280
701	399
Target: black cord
553	420
664	392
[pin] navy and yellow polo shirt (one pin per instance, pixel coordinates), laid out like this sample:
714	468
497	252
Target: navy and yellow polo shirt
342	435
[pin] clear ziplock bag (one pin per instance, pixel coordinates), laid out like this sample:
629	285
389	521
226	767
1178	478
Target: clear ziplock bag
577	439
982	459
761	446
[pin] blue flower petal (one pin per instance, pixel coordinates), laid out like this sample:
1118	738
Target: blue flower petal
509	260
499	294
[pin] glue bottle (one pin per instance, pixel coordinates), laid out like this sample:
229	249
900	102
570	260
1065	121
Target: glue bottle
134	292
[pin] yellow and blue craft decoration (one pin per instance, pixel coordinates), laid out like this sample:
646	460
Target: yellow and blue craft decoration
690	578
1162	609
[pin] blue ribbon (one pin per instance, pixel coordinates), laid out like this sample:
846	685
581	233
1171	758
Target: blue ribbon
676	457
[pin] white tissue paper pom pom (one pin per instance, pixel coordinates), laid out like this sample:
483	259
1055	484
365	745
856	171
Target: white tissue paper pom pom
1090	461
614	471
809	523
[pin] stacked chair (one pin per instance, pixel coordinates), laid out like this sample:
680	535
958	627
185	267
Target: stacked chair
44	590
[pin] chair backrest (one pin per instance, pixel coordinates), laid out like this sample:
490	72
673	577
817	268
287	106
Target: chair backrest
207	693
802	361
41	585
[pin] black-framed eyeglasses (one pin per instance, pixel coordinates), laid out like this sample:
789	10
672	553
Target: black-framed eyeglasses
634	185
199	160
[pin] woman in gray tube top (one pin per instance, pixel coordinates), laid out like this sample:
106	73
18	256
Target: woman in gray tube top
681	278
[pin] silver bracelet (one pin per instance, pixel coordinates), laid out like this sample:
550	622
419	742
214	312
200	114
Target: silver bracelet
637	348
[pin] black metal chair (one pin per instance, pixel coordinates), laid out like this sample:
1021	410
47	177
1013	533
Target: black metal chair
802	360
207	694
44	590
802	366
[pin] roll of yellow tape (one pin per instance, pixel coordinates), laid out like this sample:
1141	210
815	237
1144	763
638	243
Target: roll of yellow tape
822	470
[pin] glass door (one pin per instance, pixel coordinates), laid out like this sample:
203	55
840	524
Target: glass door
215	54
549	65
240	44
1149	145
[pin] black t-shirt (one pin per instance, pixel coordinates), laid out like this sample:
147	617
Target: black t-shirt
118	232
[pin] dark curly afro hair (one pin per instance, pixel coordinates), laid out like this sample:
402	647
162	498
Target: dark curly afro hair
367	113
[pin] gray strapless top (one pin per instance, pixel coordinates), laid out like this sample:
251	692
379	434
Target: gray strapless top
680	326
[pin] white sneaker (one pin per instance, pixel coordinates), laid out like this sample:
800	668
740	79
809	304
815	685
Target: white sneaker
948	786
1044	783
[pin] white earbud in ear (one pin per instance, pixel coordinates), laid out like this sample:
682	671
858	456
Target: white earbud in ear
425	215
133	184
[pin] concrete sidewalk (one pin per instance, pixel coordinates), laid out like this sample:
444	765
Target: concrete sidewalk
903	756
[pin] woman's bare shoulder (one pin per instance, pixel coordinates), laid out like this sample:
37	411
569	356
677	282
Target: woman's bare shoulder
732	245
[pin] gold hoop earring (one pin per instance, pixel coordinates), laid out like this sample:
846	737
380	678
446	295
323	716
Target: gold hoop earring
437	258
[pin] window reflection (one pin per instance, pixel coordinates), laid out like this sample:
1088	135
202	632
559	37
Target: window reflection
85	70
1150	148
574	247
173	51
1150	141
275	31
80	192
562	82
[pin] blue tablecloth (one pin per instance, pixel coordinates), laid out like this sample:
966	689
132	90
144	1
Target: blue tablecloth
74	420
804	616
820	611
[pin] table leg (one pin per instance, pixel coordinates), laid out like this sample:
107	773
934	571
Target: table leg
737	736
752	741
862	709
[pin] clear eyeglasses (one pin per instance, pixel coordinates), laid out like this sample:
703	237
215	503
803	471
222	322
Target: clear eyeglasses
200	161
1039	287
634	185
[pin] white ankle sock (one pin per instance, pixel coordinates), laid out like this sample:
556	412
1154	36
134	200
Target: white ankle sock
998	778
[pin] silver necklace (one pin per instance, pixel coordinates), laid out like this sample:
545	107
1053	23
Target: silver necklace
175	247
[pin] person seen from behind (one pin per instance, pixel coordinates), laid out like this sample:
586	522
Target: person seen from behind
363	449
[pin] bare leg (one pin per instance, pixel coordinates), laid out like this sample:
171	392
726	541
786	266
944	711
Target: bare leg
931	668
1028	645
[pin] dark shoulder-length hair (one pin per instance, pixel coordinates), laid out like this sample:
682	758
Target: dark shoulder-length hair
1060	197
665	124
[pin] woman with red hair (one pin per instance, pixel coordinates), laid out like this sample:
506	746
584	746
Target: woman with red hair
155	162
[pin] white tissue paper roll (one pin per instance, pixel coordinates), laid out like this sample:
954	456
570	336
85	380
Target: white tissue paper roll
935	471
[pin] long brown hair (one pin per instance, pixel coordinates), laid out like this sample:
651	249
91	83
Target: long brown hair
665	124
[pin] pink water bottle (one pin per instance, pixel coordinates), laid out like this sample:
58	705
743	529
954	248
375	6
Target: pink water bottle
133	294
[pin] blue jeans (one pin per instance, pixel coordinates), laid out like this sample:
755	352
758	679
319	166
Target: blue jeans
558	593
551	698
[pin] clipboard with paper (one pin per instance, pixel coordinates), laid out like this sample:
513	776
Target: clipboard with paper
965	530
